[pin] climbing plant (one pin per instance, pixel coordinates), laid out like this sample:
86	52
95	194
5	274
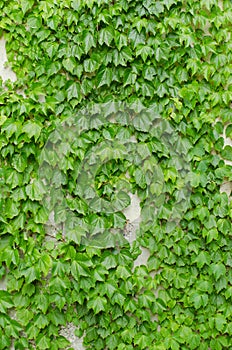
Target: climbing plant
167	62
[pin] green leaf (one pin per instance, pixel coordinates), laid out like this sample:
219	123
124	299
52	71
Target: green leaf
202	259
174	345
218	270
104	77
129	77
140	178
74	91
227	153
97	304
220	322
11	127
149	73
62	342
5	301
41	216
121	201
57	317
32	129
43	342
45	263
31	274
144	52
69	64
12	209
24	316
91	64
123	272
78	270
36	190
110	288
119	220
118	298
204	286
120	40
106	36
19	162
88	41
194	341
42	302
228	131
169	3
3	118
198	299
34	22
75	235
143	341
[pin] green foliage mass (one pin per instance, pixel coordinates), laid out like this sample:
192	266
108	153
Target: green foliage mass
175	56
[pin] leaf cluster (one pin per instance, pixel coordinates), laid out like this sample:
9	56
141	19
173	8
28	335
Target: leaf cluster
174	57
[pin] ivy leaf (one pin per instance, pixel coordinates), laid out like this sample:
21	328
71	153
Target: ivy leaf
97	304
24	316
62	342
41	216
19	162
123	272
75	235
169	3
32	129
42	302
12	209
5	301
204	286
109	262
227	153
43	342
13	178
129	77
34	22
45	263
3	118
144	52
74	91
118	298
31	274
140	178
78	270
91	64
143	341
57	317
36	190
110	288
228	131
106	36
198	299
120	40
149	73
122	200
202	259
104	77
11	127
112	341
194	341
220	321
88	41
218	270
119	220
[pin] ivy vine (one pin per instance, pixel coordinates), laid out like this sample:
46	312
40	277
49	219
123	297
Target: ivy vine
171	57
